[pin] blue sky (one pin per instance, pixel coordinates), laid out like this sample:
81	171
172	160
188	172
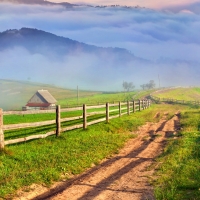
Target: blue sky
169	35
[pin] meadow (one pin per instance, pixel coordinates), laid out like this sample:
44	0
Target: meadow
180	93
47	160
54	158
15	94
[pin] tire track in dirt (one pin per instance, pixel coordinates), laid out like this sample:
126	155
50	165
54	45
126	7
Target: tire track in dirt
125	175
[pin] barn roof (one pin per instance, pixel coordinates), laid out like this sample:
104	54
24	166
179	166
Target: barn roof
47	96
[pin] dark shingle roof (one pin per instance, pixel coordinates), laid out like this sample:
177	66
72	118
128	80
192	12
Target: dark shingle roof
47	96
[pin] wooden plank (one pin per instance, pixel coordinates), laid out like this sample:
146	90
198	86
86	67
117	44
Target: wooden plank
2	144
128	108
70	119
96	113
32	137
71	109
133	106
93	107
112	105
107	112
96	121
84	116
124	113
27	125
72	127
139	105
115	110
120	111
58	123
114	116
28	112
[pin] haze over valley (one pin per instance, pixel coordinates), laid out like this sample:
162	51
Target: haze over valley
98	48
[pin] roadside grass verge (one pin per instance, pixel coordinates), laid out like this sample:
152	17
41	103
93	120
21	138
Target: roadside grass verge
178	176
47	160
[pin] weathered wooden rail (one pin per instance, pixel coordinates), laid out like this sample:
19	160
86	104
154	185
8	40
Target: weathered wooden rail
109	113
171	100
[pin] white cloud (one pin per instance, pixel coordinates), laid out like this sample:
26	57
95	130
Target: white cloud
146	33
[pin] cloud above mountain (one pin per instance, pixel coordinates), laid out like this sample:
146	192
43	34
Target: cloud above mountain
143	3
139	30
190	8
170	39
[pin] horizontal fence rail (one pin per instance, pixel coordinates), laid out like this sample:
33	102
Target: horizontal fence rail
170	100
88	117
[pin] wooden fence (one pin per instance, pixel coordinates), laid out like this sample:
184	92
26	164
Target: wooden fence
170	100
109	112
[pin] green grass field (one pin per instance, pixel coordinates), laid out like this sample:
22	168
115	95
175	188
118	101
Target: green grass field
98	99
187	94
46	160
15	94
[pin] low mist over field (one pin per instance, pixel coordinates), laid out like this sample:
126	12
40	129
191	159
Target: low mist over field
150	43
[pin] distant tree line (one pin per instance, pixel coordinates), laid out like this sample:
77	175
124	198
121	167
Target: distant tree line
129	86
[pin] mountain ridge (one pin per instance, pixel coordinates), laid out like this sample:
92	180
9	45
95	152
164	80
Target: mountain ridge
41	2
39	41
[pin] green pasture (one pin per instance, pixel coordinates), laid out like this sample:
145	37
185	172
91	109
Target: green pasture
46	160
187	94
15	94
98	99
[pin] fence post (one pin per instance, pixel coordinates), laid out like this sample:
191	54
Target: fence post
149	103
84	116
58	120
120	111
139	105
1	130
143	104
128	108
107	112
133	106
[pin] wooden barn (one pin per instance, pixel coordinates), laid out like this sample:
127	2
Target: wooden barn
41	100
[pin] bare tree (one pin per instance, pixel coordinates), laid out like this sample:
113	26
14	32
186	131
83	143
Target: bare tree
148	86
128	86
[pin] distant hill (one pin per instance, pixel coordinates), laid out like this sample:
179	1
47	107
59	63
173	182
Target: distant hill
38	41
15	94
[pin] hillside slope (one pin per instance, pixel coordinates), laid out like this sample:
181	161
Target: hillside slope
180	93
15	94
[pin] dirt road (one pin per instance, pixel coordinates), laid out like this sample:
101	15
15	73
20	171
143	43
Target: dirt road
124	176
